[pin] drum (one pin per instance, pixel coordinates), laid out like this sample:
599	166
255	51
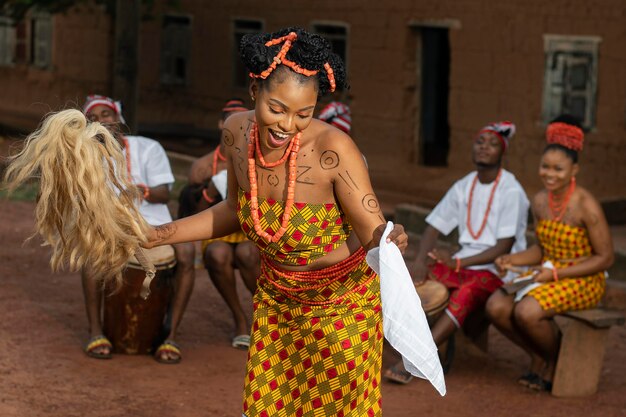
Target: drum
434	296
132	324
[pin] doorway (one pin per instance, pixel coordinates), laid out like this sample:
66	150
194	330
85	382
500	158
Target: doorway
434	134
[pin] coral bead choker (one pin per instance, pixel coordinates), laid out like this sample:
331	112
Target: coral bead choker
557	210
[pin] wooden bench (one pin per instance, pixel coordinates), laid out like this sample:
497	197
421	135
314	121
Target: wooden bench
583	343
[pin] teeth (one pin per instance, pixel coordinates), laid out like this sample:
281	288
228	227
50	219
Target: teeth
280	135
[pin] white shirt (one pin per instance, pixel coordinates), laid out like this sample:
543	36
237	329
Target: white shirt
508	216
150	166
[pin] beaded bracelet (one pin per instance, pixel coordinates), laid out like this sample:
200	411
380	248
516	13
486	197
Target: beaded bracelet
146	190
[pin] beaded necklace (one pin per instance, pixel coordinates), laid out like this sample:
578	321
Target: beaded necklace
292	153
127	149
476	236
557	210
146	189
217	156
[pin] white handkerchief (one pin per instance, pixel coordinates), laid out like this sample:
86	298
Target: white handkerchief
221	183
404	322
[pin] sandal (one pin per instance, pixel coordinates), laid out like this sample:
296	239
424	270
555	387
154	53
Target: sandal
168	347
94	346
527	378
397	375
241	342
540	384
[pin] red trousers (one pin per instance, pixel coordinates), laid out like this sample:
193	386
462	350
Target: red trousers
469	289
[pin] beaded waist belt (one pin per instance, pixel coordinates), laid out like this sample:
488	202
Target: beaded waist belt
318	287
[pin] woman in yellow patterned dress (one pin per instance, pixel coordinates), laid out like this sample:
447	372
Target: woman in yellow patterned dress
299	189
574	249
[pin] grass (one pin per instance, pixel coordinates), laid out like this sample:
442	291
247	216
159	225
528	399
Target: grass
27	192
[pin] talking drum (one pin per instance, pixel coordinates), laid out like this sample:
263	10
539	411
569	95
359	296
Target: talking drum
434	297
132	324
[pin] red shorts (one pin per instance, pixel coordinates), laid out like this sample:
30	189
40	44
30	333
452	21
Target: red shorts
469	289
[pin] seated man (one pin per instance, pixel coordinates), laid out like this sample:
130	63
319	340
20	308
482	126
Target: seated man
221	256
149	169
490	209
337	114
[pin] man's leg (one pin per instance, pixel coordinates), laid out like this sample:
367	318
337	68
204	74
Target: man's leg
248	261
183	287
219	259
92	293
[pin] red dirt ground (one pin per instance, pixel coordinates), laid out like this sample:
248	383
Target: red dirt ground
43	371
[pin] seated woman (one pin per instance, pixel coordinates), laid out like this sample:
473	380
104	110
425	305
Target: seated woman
574	249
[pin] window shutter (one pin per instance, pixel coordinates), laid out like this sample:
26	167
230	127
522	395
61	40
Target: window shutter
42	41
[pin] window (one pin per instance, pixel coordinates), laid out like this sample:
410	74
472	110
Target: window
242	27
41	40
7	41
571	72
175	47
337	35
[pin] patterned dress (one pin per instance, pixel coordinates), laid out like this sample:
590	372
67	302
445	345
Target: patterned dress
562	242
316	344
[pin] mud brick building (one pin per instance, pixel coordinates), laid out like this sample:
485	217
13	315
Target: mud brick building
424	75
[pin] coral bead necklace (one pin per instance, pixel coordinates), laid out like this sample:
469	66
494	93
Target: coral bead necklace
217	156
476	236
292	153
557	210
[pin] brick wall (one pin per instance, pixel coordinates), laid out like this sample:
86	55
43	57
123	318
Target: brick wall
496	72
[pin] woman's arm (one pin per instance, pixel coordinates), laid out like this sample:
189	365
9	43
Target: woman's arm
217	221
353	189
600	237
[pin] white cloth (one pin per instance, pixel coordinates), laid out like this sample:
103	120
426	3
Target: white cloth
507	218
522	292
150	166
404	322
220	180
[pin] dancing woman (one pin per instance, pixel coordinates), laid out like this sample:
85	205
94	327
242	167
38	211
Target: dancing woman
574	248
299	189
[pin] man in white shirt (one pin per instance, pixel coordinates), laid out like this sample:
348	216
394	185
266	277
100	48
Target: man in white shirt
149	170
490	210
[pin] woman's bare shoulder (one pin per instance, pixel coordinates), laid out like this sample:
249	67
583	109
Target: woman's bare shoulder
237	127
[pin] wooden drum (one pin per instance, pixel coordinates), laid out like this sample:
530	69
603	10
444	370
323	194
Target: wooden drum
132	324
434	296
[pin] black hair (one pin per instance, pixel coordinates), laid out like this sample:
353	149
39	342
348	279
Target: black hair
309	51
570	153
188	199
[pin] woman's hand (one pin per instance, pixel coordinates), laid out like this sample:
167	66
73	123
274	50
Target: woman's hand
443	256
397	236
543	275
151	236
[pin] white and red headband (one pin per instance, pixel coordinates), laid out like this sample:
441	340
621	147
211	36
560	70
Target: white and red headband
94	100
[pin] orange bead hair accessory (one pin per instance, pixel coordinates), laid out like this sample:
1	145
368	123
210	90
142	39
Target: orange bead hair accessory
566	135
281	58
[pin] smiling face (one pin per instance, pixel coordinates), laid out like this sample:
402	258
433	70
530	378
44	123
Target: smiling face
284	107
556	170
487	150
